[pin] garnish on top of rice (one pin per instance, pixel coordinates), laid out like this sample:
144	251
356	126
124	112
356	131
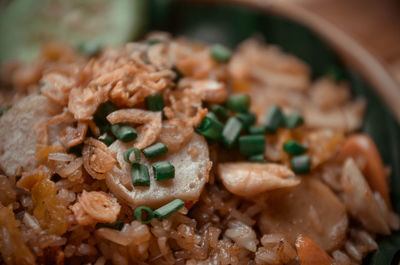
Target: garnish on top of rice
167	151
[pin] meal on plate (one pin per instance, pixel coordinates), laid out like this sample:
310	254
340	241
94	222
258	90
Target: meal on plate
168	151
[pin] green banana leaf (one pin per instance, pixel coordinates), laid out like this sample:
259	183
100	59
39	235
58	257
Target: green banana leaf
231	24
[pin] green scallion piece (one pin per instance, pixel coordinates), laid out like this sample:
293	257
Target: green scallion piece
163	170
152	42
210	127
140	175
294	148
168	209
219	111
139	213
3	109
273	119
107	139
155	102
256	129
251	144
247	118
231	131
117	225
124	133
238	103
100	115
154	150
301	164
257	158
293	120
220	53
127	155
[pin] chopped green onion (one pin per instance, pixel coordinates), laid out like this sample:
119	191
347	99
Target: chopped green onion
247	118
238	103
220	53
163	170
117	225
107	139
231	131
152	42
140	175
256	129
293	120
3	109
219	111
257	158
210	127
127	155
294	148
138	212
100	115
155	102
154	150
273	119
301	164
251	144
124	133
168	209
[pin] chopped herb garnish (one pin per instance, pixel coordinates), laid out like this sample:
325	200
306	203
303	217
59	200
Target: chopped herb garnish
294	148
257	158
231	131
220	53
128	154
210	127
125	133
107	139
154	150
117	225
143	214
251	144
273	119
293	120
256	129
247	118
100	115
140	175
168	209
155	102
219	111
163	170
152	42
238	103
301	164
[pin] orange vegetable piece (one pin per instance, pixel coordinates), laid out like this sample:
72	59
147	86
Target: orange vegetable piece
310	253
12	247
364	151
48	208
43	151
28	180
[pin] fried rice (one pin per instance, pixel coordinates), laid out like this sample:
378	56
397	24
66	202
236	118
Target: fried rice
68	188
